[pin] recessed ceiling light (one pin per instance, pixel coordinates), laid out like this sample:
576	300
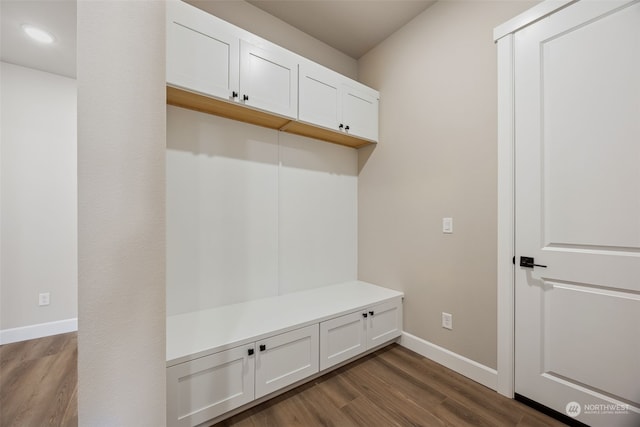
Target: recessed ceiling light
38	34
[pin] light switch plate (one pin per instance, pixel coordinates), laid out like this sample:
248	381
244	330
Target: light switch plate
447	225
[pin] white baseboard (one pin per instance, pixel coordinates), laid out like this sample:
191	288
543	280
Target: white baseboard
40	330
467	367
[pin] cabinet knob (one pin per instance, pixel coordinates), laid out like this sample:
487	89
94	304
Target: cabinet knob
341	126
371	313
250	351
263	347
346	127
364	314
245	97
234	94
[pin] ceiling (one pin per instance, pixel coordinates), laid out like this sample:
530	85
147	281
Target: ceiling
57	17
350	26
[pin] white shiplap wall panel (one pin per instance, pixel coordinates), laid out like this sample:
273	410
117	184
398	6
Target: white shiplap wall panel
253	212
222	211
318	213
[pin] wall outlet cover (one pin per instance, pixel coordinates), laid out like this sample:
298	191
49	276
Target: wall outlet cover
44	299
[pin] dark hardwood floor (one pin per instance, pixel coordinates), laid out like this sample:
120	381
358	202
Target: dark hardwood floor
391	387
38	382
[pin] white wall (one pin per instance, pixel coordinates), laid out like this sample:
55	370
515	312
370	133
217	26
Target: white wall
121	213
253	212
39	201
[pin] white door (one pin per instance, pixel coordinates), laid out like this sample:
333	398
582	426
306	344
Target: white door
269	79
578	212
200	56
284	359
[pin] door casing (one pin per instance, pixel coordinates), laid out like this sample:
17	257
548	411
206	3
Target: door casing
503	36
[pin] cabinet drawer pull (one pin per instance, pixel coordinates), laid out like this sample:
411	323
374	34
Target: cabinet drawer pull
263	347
250	351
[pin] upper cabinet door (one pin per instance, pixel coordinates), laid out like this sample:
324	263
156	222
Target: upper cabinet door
269	79
201	56
360	112
319	100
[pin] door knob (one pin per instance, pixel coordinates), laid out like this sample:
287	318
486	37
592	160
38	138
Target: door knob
528	262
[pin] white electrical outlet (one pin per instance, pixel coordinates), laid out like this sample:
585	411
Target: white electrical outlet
447	225
447	320
43	299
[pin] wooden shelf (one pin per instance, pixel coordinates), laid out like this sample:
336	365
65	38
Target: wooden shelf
231	110
328	135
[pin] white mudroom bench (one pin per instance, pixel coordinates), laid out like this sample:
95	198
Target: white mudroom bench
226	359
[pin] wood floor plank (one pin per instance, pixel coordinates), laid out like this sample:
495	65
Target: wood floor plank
361	411
477	397
337	389
39	381
389	398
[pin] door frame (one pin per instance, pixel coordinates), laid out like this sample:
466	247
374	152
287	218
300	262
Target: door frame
503	37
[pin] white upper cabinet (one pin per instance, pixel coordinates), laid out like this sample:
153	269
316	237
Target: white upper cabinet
218	68
201	57
333	101
269	79
211	57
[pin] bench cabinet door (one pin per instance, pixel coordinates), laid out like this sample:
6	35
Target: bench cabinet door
342	338
384	322
205	388
284	359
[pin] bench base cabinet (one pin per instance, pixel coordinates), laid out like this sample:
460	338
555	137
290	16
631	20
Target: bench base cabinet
347	336
214	371
205	388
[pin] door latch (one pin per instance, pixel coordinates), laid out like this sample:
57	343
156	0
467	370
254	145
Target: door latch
528	262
